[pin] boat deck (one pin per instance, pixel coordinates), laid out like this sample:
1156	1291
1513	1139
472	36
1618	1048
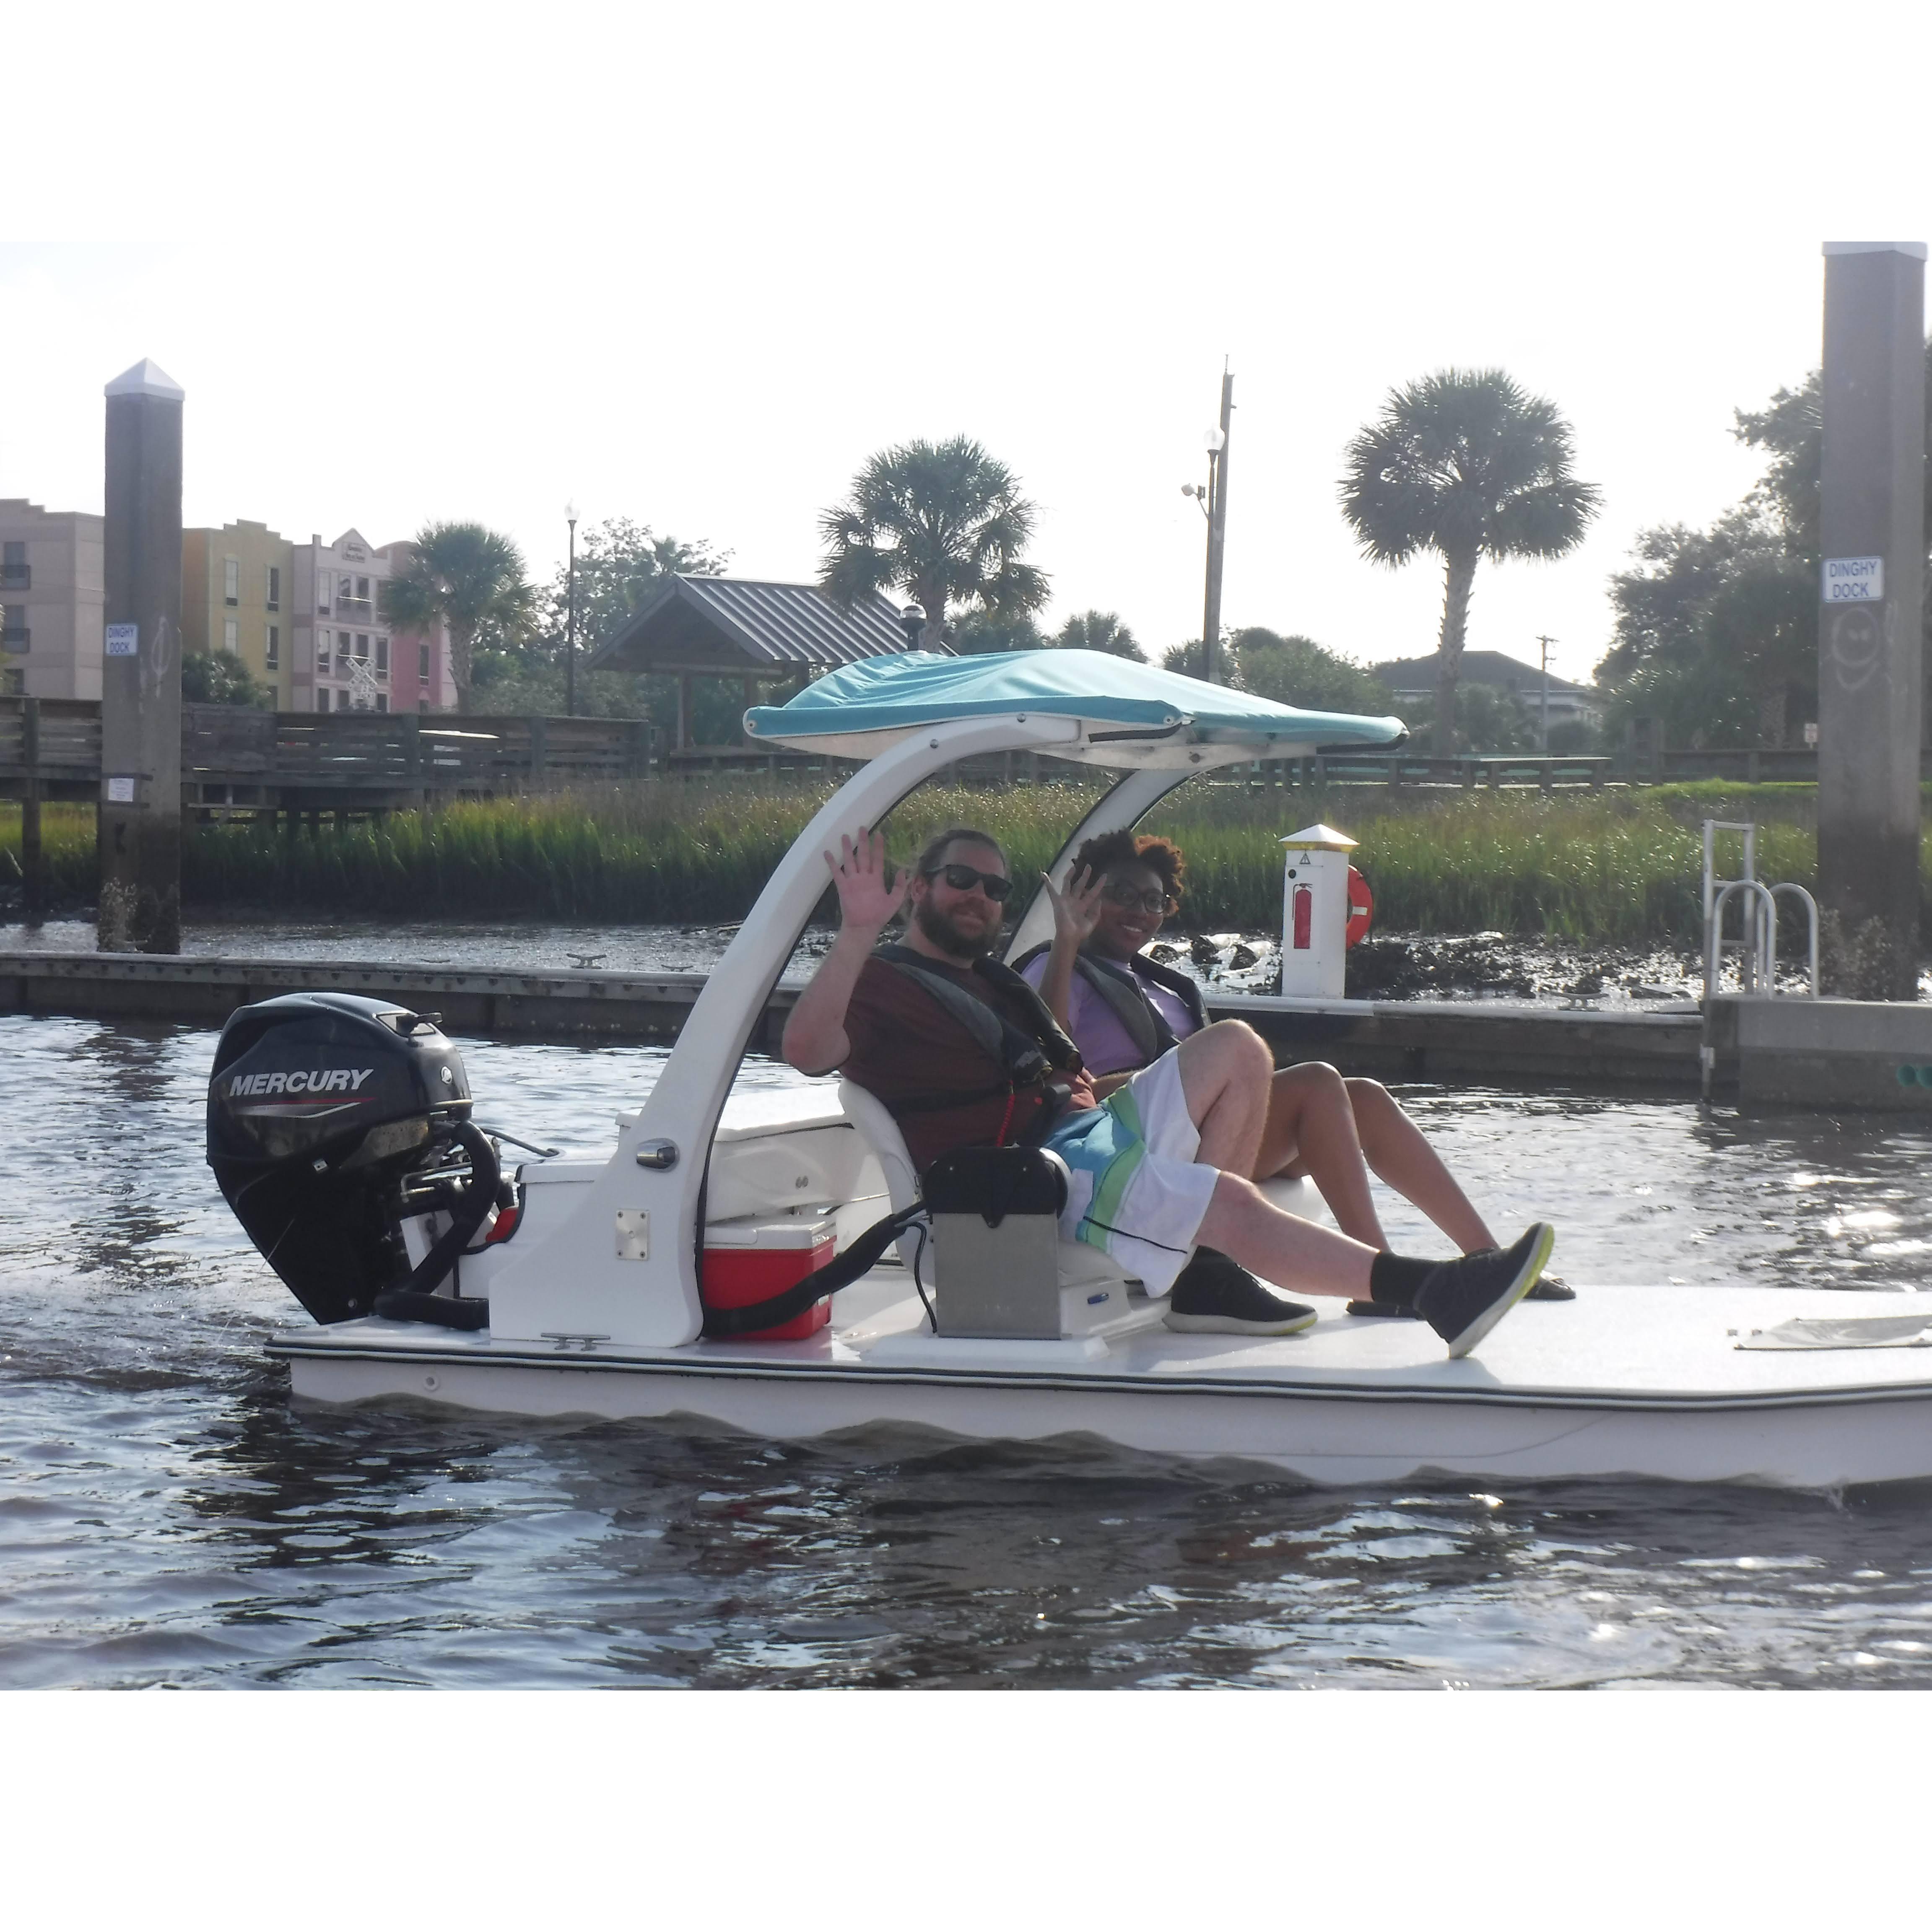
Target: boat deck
1638	1381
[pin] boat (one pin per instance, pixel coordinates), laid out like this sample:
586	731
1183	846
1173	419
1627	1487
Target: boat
440	1267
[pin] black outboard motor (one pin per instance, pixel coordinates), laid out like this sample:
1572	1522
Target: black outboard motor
332	1120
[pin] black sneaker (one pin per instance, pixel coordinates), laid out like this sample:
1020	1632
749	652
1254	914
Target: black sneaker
1548	1288
1213	1295
1464	1299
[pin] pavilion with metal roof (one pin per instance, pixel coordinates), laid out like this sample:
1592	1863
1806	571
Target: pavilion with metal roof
757	632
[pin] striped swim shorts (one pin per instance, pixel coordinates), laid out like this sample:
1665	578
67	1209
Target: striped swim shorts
1137	1192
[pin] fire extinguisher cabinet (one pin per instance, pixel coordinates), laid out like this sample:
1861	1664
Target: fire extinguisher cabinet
1315	912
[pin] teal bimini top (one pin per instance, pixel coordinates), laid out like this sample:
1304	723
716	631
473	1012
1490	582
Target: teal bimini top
864	708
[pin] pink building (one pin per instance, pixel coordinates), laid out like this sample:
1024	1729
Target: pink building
346	658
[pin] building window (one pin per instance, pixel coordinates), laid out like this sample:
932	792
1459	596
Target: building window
231	580
272	652
275	587
382	700
422	704
362	646
13	632
362	590
422	664
322	653
321	699
230	643
382	657
15	571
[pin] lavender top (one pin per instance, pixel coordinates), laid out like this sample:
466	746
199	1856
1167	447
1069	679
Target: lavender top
1104	1043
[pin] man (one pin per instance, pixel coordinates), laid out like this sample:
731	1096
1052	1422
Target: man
963	1053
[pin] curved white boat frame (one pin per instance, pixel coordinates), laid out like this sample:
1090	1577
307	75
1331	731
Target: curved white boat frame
574	1282
601	1315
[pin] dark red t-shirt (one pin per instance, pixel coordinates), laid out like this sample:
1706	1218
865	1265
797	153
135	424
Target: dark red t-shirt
909	1052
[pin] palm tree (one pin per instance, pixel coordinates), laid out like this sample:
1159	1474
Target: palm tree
943	521
1465	464
1098	631
471	578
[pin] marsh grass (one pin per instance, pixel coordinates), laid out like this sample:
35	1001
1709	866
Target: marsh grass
1612	866
67	849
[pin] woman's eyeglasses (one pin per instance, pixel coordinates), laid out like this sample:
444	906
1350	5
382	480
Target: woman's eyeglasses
1120	893
963	878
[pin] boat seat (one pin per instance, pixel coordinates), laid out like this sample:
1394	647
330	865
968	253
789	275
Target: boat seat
1081	1265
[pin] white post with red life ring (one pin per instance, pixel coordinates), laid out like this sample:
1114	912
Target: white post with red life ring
1325	908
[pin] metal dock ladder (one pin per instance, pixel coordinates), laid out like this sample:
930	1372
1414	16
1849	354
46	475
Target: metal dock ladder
1756	946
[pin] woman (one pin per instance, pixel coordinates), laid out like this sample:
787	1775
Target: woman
1123	1010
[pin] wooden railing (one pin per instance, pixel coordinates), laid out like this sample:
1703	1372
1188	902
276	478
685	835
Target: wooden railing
301	760
308	760
1397	769
68	763
225	748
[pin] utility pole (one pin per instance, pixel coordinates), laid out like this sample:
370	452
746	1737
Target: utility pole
1870	639
1543	729
570	647
140	671
1217	532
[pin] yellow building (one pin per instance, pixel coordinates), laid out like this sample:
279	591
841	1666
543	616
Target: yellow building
238	595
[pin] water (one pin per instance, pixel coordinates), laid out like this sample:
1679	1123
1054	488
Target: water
165	1518
499	946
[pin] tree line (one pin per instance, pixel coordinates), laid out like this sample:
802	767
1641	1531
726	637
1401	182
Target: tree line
946	524
1714	631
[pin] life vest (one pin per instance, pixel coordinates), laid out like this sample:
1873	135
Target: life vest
1121	989
1028	1056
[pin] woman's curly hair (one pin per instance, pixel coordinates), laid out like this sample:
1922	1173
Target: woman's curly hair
1102	855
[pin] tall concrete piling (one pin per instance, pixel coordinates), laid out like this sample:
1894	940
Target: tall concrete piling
1870	633
140	671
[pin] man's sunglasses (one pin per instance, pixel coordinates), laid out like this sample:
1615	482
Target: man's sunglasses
1120	893
963	878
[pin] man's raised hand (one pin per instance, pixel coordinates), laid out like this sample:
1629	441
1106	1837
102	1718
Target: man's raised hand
870	892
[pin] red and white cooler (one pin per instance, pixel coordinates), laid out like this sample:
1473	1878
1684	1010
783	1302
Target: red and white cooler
751	1260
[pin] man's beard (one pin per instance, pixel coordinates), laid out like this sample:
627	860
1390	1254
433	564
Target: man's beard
948	937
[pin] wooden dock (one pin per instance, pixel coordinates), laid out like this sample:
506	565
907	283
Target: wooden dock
1476	1040
236	759
307	761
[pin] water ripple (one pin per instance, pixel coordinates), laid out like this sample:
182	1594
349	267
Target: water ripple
165	1518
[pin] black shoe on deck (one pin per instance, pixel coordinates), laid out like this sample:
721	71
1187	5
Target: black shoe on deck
1464	1299
1213	1295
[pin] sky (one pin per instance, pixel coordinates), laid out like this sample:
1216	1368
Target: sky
693	265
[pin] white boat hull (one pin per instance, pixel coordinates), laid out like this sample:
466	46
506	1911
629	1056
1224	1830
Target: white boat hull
1644	1383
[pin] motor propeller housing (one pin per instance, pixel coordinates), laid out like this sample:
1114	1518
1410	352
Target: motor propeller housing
330	1119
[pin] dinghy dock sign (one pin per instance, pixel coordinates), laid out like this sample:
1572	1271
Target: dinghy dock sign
1854	580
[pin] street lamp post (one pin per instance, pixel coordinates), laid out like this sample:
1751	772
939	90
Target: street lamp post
570	645
1543	730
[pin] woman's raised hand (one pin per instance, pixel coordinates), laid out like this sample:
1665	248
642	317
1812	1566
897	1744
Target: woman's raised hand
1076	911
870	892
